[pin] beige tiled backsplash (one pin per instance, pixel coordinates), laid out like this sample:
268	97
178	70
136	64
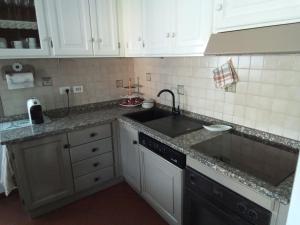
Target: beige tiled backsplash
98	77
267	96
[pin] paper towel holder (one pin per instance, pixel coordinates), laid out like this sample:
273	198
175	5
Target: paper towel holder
16	68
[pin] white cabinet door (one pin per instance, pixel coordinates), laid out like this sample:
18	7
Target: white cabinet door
193	26
132	27
243	14
158	23
104	27
162	186
130	156
70	27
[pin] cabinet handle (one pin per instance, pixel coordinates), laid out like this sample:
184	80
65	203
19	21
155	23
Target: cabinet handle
139	39
219	7
96	179
92	40
168	35
134	142
94	149
96	164
144	45
93	135
173	34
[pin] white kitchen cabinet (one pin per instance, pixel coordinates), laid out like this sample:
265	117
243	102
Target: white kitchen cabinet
243	14
104	27
176	27
193	26
83	28
158	26
14	29
130	156
69	22
162	186
133	27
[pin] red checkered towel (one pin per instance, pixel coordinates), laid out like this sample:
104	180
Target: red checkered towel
225	75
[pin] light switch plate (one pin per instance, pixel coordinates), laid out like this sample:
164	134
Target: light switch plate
180	89
148	76
119	83
77	89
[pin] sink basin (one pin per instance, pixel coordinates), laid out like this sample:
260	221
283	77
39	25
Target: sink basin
148	115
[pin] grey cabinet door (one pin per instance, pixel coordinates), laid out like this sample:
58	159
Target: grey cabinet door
43	170
130	156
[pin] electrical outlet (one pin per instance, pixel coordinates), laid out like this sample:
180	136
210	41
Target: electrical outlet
77	89
62	90
180	89
119	83
231	88
148	76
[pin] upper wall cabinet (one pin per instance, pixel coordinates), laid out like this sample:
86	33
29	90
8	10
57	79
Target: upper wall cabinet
23	31
70	27
166	28
243	14
104	27
132	27
83	28
176	27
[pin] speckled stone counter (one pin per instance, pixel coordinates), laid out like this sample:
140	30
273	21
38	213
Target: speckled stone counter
79	119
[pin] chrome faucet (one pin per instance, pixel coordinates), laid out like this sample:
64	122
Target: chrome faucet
175	110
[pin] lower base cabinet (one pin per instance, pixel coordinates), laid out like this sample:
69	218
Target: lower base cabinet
162	186
43	170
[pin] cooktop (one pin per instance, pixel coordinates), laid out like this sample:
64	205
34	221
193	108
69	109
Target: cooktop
174	126
265	161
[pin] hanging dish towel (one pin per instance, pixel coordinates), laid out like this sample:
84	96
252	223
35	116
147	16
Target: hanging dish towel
225	75
7	173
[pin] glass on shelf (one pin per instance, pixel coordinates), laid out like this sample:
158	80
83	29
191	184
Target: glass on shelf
18	24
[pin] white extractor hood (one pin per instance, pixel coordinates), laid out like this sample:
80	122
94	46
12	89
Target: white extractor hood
266	40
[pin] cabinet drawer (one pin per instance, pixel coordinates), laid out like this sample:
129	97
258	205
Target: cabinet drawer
95	178
90	165
91	149
89	134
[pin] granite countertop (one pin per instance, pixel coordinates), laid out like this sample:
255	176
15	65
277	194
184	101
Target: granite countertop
98	115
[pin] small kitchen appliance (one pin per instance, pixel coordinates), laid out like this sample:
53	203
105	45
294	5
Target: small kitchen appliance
35	112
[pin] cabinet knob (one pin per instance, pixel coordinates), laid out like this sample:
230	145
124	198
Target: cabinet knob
96	179
96	164
66	146
134	142
219	7
93	135
94	149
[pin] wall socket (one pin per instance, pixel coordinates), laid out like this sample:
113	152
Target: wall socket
62	90
119	83
148	76
180	89
77	89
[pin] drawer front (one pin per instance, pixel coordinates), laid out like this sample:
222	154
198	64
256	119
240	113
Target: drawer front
91	149
89	134
89	165
93	179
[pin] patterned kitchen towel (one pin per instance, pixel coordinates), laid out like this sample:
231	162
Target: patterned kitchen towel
225	75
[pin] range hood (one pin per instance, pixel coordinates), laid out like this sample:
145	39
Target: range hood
266	40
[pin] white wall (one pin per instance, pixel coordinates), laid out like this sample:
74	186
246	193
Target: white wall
294	215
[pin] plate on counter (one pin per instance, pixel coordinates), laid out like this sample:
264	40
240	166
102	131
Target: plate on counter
217	127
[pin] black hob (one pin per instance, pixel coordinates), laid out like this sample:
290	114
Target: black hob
265	161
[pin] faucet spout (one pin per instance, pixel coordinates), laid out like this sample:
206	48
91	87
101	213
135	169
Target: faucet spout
174	110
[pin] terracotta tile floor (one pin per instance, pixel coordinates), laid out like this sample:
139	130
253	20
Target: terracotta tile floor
118	205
